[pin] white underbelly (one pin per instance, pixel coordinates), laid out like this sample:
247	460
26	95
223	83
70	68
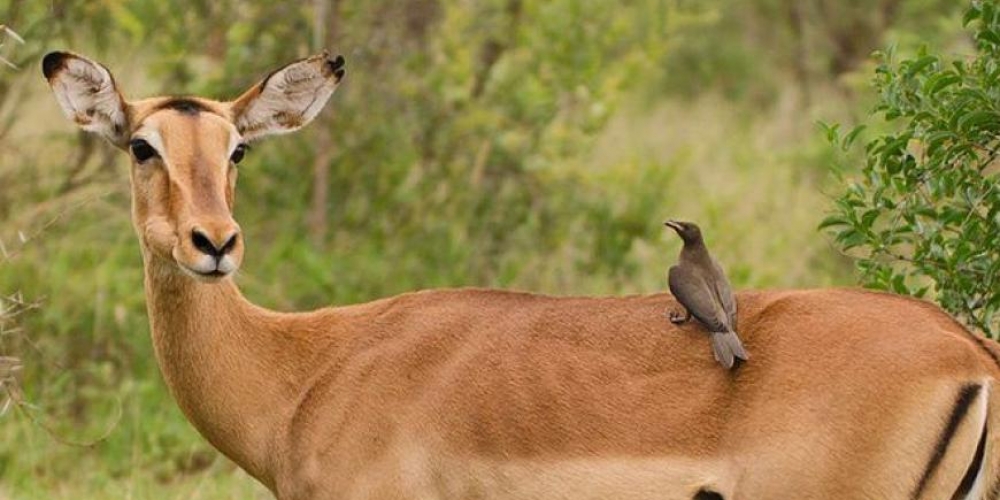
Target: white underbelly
418	476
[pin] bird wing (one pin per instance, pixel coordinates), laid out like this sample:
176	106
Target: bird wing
691	290
724	292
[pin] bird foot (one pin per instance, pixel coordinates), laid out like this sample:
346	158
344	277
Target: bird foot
677	317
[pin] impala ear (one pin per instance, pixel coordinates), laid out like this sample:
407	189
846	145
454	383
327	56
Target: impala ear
288	98
87	94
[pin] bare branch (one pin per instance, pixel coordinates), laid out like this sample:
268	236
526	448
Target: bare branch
7	32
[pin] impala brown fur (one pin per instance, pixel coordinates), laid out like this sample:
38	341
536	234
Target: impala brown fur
475	394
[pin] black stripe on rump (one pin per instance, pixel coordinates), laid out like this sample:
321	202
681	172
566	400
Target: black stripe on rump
973	471
965	398
994	493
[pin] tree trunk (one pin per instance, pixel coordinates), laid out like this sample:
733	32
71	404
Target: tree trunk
800	57
324	34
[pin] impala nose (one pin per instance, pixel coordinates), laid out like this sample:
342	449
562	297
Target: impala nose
205	244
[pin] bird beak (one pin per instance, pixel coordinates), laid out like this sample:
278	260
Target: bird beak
672	224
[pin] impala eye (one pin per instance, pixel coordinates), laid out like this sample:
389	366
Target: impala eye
141	150
239	153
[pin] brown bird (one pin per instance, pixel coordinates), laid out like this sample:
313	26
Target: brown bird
702	288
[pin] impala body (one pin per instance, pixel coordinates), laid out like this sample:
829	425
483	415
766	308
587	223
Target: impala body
481	394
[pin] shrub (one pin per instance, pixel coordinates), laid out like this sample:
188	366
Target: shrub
923	216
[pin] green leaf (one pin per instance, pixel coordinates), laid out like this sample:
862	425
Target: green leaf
869	218
851	238
851	136
934	140
917	66
975	119
833	221
971	14
989	37
939	82
976	96
831	131
899	284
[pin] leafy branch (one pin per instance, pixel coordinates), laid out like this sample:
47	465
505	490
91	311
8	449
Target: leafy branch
922	217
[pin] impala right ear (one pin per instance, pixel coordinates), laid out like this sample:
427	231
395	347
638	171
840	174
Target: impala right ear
288	98
87	94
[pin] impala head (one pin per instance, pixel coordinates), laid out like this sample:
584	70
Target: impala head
184	150
688	231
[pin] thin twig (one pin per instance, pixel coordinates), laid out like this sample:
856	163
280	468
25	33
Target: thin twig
11	33
28	410
4	30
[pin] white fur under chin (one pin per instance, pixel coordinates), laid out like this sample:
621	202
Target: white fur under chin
205	269
226	265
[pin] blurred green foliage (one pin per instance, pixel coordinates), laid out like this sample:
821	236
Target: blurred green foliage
923	215
510	143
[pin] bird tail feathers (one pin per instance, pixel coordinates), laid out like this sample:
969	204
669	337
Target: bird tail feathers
726	347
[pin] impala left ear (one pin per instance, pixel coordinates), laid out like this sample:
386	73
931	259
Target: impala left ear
288	98
87	94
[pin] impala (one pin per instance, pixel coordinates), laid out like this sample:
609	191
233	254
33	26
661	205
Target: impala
485	394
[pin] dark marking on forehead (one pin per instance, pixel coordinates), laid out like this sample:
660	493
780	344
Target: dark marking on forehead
184	105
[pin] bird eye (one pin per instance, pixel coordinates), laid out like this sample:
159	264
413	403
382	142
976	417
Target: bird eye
141	150
238	153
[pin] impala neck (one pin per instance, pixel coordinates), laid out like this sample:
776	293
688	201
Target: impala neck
221	357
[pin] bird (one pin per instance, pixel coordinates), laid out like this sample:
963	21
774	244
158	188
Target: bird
700	285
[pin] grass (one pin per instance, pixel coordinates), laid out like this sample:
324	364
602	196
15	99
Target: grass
131	443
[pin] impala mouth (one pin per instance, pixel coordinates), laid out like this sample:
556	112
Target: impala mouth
207	268
206	276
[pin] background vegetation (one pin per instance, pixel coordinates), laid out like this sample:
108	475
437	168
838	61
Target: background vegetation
506	143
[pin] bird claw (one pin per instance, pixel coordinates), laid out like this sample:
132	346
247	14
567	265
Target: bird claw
677	317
